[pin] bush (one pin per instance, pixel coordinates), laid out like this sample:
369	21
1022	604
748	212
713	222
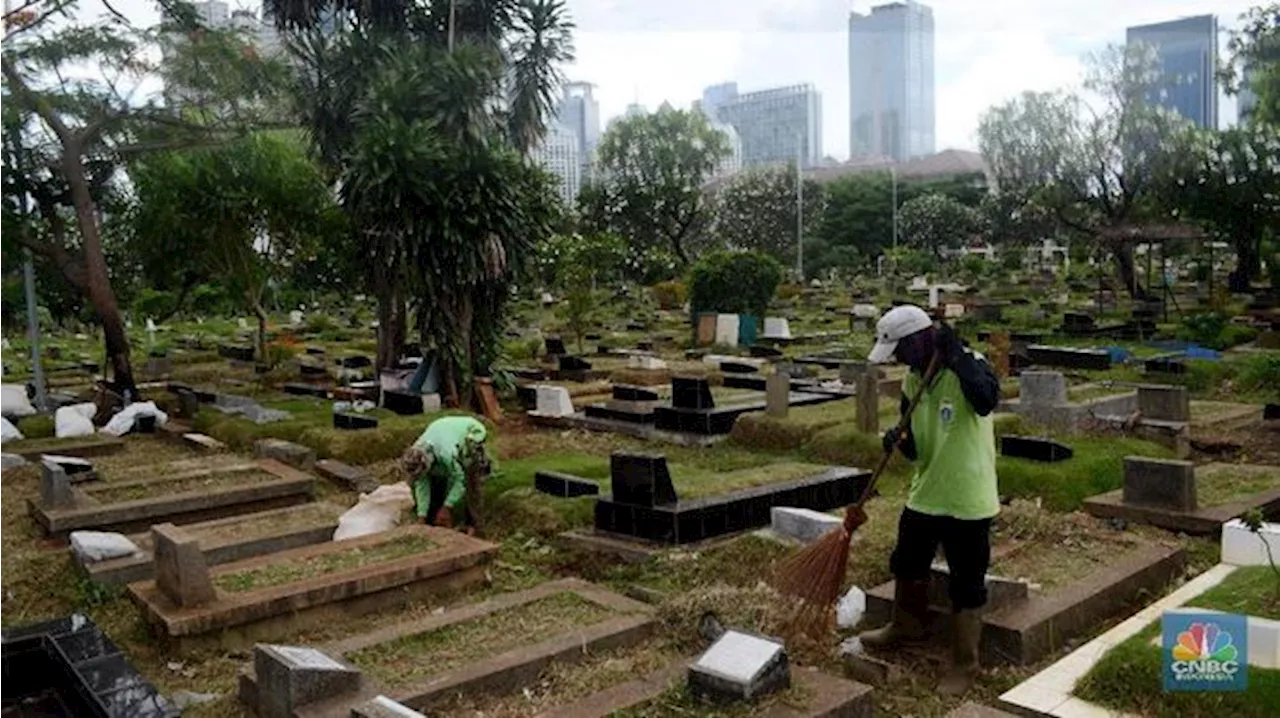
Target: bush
669	295
790	291
153	304
1214	330
1260	373
735	283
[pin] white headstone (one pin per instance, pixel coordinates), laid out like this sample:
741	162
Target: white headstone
1242	547
953	311
727	330
553	401
295	317
645	361
933	297
804	525
242	323
738	656
865	311
776	328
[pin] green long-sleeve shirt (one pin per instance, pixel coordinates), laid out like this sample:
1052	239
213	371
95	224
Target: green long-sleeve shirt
446	439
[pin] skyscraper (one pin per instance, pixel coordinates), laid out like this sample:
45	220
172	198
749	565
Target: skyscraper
891	92
558	154
772	125
731	162
580	113
1188	54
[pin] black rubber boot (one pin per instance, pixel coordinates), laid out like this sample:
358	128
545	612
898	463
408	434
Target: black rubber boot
967	633
907	623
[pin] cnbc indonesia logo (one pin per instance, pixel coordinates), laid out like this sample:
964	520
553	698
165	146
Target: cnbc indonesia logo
1205	653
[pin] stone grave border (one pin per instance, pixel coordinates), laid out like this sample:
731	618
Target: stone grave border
502	673
1049	692
279	610
83	448
1023	632
130	569
832	697
1203	521
290	487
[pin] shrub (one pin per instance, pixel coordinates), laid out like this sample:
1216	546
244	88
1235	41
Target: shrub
1260	373
790	291
735	283
317	323
1214	330
153	304
669	295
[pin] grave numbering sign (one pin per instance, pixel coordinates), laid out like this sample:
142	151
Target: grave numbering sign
1205	651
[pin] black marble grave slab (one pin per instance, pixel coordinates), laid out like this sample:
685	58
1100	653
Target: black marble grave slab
763	351
1069	358
629	392
1164	365
640	479
529	374
238	353
699	519
733	367
634	412
1035	449
691	393
356	362
402	402
555	346
298	389
68	667
527	395
1271	412
344	420
570	363
563	485
700	421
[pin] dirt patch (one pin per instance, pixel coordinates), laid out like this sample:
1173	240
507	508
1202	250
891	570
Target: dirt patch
403	661
132	471
1052	549
111	494
278	574
1218	484
141	454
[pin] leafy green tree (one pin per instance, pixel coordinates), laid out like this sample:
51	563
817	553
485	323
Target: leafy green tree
653	169
566	261
1255	49
734	283
934	222
1094	171
755	211
238	213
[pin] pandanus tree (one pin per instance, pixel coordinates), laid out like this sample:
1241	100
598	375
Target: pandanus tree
424	114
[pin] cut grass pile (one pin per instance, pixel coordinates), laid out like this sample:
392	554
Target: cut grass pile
1130	677
282	572
154	489
253	527
119	470
1053	549
1249	590
406	660
1218	484
1097	467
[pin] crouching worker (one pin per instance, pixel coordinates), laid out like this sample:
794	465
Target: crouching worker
439	465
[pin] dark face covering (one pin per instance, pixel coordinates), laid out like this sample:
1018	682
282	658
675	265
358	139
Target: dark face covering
916	350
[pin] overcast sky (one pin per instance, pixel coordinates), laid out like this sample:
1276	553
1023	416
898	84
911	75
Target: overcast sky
648	51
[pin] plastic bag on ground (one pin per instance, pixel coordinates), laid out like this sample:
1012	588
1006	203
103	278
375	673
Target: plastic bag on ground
94	546
74	420
122	423
376	512
9	432
851	607
14	401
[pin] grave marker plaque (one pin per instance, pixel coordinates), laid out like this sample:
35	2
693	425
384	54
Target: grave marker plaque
290	677
691	393
555	347
777	394
181	573
1161	483
740	666
640	479
1164	402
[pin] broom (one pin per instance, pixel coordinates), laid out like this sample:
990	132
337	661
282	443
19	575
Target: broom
815	574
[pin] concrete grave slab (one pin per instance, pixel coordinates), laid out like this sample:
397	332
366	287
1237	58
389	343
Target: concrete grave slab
180	571
384	707
1160	483
179	498
804	525
970	709
740	666
55	486
1241	546
350	477
777	394
83	447
1042	388
260	603
230	539
1164	403
294	676
1035	449
298	456
555	483
201	441
78	470
626	623
1205	520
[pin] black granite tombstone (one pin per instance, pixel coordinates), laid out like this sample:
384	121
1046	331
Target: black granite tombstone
1069	357
573	363
640	479
402	402
555	347
628	392
349	421
1035	449
356	362
764	351
691	393
1271	412
555	483
733	367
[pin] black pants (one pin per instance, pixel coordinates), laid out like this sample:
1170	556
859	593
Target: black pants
439	488
967	545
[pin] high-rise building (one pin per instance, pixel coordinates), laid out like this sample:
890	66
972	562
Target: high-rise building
772	125
558	154
213	13
1188	59
580	112
891	90
731	162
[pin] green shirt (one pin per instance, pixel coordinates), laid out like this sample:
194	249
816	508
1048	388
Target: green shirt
446	440
955	453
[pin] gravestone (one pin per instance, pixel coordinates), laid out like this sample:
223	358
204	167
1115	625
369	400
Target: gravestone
555	483
403	403
868	398
1164	402
1164	365
554	401
181	573
188	404
353	422
627	392
384	707
640	479
574	364
777	394
358	361
764	351
1035	449
1271	412
1162	483
555	347
1070	358
646	362
776	328
727	330
295	455
691	393
351	477
55	486
804	525
740	666
706	329
290	677
1042	388
78	470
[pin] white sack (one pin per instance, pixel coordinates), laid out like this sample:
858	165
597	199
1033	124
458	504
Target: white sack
71	421
8	432
851	607
94	546
376	512
14	401
122	423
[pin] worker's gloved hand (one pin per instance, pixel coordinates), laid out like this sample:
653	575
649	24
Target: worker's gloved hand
444	518
892	438
948	345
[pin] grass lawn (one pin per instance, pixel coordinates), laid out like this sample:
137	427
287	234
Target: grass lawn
1218	484
1096	467
282	572
1130	676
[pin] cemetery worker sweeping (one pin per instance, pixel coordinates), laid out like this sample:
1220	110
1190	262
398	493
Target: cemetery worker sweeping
437	465
953	495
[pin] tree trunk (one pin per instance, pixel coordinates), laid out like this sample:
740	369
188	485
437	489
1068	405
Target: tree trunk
390	316
1125	271
97	280
1248	260
260	312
